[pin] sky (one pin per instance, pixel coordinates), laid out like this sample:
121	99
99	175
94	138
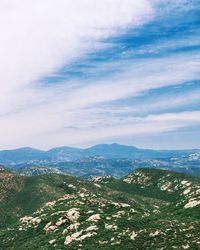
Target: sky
84	72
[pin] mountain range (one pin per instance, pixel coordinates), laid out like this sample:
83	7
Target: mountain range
114	159
64	154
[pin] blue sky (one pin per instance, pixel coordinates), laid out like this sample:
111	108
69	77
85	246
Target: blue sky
83	72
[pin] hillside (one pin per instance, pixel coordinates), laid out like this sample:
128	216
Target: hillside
22	195
156	183
9	184
176	188
147	209
37	170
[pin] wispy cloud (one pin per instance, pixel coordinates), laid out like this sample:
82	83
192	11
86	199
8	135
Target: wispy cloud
40	38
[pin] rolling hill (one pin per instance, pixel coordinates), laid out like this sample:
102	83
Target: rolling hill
147	209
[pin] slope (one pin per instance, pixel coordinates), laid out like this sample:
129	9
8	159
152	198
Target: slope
104	215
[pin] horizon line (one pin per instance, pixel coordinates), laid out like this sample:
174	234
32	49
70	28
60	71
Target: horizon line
93	145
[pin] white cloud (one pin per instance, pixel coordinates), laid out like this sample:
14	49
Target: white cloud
135	126
101	115
162	103
141	76
39	37
57	109
152	124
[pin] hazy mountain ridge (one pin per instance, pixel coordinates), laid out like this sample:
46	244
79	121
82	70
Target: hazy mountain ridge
62	154
106	213
103	159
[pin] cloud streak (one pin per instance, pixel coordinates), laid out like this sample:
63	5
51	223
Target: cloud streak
40	38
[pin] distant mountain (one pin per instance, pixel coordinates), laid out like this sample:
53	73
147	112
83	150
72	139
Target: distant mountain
113	151
147	209
65	154
8	157
130	152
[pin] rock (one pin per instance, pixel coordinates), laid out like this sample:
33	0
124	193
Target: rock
49	228
74	226
71	186
97	185
192	203
186	246
73	214
88	235
52	241
76	235
92	228
60	221
36	221
90	212
30	221
124	205
50	204
154	234
68	240
94	217
71	238
65	231
133	235
110	227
